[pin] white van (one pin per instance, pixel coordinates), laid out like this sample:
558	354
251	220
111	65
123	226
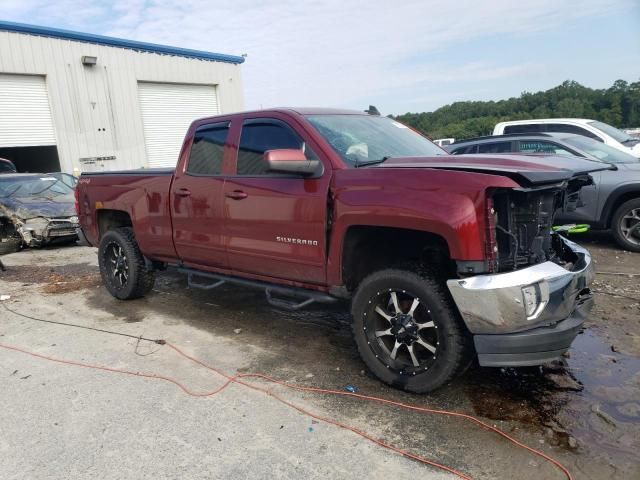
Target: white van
581	126
443	142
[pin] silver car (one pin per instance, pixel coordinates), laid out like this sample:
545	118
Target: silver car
613	202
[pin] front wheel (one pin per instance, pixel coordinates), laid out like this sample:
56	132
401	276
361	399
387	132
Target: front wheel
626	225
408	331
122	265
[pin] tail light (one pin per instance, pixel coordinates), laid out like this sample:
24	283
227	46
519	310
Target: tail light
77	201
491	245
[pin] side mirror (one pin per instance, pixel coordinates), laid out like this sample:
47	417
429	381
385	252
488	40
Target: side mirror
291	161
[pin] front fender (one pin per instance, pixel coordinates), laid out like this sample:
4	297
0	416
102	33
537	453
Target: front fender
445	203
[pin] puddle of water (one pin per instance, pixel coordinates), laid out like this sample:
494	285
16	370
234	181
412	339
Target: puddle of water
592	397
610	378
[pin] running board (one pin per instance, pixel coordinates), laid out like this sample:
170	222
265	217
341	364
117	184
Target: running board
294	298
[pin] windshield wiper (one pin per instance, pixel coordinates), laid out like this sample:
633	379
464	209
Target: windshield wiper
372	162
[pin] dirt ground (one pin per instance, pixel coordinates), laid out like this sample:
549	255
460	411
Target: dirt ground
583	410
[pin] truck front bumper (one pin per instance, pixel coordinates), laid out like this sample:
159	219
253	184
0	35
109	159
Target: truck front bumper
529	316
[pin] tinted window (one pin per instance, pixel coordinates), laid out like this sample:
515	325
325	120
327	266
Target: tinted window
465	150
207	149
498	147
471	149
539	146
564	128
458	151
526	128
258	137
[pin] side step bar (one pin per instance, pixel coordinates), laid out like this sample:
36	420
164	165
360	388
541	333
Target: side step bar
294	298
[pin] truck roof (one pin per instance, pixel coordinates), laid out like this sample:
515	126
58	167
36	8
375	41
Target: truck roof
546	120
306	111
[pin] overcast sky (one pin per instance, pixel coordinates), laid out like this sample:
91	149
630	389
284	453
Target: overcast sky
398	55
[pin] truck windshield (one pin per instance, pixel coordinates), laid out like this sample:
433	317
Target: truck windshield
613	132
366	139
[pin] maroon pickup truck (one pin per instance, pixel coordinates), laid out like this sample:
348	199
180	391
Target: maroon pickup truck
444	258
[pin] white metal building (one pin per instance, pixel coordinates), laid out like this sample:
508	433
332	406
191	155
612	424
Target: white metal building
74	102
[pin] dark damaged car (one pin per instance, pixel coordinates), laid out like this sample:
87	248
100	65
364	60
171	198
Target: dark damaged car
35	210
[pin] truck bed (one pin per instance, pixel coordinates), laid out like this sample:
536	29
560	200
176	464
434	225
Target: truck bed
143	193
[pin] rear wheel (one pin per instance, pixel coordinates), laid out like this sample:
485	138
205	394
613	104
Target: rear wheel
407	331
122	265
626	225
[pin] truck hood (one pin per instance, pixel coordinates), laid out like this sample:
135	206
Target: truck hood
527	170
24	208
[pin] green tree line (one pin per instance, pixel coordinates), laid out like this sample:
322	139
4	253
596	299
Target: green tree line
618	105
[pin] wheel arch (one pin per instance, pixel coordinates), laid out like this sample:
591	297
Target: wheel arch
368	248
109	219
622	194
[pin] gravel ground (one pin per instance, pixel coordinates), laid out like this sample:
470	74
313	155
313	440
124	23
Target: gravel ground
60	421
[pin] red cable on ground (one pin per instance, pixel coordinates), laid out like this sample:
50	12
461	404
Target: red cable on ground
236	379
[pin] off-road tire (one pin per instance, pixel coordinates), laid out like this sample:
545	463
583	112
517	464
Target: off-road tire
616	225
140	280
454	343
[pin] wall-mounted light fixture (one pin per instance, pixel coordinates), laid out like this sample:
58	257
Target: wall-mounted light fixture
88	61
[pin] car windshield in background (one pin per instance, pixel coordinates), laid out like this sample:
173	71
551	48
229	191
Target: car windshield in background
613	132
601	151
33	187
362	139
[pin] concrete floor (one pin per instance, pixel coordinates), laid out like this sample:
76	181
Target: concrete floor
64	422
61	422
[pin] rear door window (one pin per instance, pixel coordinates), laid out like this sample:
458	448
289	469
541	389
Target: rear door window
207	149
496	147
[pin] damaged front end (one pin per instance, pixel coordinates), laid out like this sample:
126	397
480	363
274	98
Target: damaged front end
533	304
31	227
522	219
39	231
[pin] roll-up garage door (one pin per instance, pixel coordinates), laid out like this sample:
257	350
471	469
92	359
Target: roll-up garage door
25	117
167	111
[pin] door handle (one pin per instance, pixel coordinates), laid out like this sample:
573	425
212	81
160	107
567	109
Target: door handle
183	192
237	194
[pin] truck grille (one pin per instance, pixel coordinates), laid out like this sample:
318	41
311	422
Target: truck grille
61	227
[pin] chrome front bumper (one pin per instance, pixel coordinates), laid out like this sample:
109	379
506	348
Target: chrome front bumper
497	304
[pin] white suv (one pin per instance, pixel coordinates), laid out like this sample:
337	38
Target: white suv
599	131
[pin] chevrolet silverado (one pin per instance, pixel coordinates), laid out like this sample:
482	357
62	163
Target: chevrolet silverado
444	258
